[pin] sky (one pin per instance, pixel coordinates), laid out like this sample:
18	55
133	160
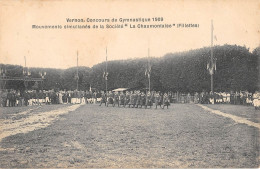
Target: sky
235	22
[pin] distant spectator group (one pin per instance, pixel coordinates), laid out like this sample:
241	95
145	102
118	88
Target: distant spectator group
136	98
236	98
11	98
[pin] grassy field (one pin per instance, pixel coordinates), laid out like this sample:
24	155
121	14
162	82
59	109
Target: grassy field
185	135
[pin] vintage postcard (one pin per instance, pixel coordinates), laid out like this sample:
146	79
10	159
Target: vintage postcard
129	84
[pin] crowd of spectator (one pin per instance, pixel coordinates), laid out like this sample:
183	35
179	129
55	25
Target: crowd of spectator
12	98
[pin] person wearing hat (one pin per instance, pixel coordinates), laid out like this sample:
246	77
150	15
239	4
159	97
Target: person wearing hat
88	97
134	98
26	97
116	99
131	101
143	99
249	99
196	98
4	98
9	98
110	98
127	98
157	99
138	99
121	98
166	100
148	100
103	98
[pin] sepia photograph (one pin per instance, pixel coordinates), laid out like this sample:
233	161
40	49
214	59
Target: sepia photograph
129	84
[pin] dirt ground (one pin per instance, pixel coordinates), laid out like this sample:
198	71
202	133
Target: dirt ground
90	136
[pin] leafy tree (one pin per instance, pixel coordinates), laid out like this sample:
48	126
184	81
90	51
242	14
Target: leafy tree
237	69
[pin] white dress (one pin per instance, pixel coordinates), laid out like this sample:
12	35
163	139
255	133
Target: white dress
60	98
256	101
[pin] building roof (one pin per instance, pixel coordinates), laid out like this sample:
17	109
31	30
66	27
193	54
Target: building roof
119	89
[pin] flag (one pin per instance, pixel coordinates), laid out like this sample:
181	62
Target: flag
147	72
211	71
211	67
215	63
76	76
105	75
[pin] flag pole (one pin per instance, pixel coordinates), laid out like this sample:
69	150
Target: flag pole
26	71
25	61
149	71
211	59
77	71
106	72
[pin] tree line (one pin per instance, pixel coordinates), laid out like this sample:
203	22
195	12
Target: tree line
236	69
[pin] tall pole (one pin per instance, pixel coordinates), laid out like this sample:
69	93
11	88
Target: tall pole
106	72
25	74
77	71
25	61
211	58
149	71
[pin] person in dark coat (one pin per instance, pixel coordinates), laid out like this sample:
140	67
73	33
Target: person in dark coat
143	99
148	100
103	99
157	99
127	98
166	100
110	98
121	98
26	98
116	99
4	98
138	99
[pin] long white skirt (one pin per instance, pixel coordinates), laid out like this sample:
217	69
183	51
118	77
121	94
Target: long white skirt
256	102
73	100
